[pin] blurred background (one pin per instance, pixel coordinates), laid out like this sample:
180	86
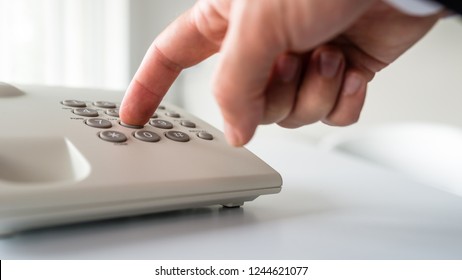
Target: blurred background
100	43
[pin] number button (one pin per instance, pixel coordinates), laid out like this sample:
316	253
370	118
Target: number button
112	112
189	124
177	136
74	103
161	124
146	136
205	135
172	114
104	104
98	123
113	136
131	125
85	112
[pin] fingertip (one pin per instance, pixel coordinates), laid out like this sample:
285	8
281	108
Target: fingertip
354	83
231	136
351	100
238	137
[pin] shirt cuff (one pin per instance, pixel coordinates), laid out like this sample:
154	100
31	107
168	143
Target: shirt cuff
416	7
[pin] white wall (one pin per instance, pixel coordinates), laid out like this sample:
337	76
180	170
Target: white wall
80	43
64	42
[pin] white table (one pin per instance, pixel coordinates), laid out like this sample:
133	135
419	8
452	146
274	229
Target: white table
332	206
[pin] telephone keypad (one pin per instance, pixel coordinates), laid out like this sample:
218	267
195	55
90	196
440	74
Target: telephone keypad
94	113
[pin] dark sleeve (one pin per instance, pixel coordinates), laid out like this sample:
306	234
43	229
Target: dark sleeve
454	5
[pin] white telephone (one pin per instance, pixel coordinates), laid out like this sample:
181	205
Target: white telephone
65	158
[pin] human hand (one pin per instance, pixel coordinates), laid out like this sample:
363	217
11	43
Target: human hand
287	62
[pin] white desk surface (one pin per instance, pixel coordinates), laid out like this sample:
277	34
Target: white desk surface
331	207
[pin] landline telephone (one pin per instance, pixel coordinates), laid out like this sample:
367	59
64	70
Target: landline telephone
65	157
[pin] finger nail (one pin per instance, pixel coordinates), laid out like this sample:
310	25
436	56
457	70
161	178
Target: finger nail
353	83
329	64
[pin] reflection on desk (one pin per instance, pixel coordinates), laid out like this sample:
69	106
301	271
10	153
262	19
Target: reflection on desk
332	206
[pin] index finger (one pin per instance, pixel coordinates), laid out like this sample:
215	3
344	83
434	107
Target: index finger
179	46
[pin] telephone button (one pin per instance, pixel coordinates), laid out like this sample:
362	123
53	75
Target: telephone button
112	112
172	114
98	123
74	103
85	112
146	136
104	104
177	136
189	124
205	135
161	124
113	136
